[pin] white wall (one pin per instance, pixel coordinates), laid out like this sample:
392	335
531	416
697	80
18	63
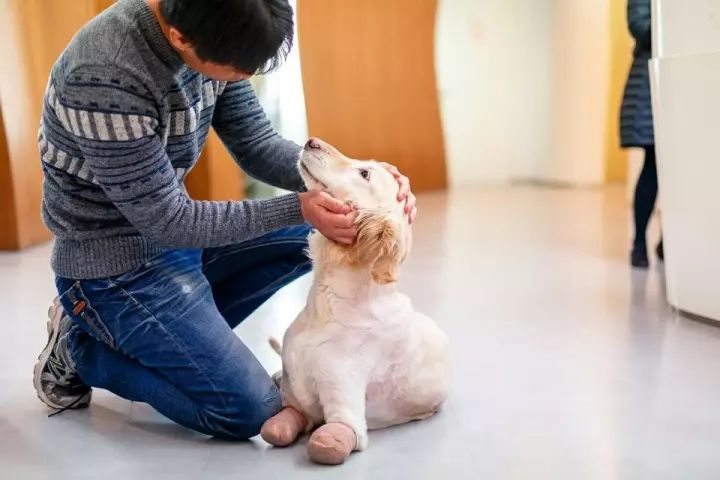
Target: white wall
281	95
493	67
524	89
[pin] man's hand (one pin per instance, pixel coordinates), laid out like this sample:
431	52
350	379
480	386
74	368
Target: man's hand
404	194
330	216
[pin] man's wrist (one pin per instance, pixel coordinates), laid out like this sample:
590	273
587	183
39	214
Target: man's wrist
283	211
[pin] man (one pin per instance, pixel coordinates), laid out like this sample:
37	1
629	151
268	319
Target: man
151	282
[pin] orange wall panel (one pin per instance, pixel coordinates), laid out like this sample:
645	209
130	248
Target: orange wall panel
33	33
621	46
215	176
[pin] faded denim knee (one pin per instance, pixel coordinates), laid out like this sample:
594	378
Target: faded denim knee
243	420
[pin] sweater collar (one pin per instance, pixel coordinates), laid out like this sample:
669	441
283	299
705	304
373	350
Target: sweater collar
155	37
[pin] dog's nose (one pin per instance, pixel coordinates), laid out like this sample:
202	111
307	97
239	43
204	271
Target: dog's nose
313	144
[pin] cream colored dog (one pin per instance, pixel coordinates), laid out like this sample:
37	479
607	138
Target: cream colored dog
358	356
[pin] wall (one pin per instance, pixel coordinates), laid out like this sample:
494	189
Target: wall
493	66
282	97
581	50
8	212
32	35
531	89
617	160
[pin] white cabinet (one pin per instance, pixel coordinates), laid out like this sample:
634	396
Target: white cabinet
685	77
686	27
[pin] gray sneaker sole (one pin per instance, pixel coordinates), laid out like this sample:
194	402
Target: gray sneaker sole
53	327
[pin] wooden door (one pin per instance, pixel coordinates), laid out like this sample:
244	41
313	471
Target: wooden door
33	33
369	78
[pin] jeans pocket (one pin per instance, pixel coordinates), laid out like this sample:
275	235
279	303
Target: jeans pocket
78	307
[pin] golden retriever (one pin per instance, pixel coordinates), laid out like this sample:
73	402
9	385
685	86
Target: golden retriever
358	356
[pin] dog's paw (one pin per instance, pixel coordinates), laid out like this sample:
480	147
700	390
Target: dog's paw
284	428
332	444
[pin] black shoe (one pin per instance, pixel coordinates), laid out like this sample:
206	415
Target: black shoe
56	382
660	251
639	258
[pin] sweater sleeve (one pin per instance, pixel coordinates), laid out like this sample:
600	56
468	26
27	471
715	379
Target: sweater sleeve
260	151
640	21
127	159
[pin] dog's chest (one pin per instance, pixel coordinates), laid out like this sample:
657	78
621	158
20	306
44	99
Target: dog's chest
363	342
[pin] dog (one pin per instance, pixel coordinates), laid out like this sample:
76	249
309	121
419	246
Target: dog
358	356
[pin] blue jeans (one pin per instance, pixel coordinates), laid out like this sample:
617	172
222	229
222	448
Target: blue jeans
162	333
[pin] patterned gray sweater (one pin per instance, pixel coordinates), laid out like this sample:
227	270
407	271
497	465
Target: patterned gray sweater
124	121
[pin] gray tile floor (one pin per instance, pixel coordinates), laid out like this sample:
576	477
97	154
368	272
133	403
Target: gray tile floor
567	364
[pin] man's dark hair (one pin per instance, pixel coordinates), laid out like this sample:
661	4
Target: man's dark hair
254	36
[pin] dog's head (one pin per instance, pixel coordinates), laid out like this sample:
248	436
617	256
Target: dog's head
384	237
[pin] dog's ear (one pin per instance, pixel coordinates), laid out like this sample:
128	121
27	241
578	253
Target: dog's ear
380	245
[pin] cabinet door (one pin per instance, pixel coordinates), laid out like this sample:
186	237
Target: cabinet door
687	27
686	106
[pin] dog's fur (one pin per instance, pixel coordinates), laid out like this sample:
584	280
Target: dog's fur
358	354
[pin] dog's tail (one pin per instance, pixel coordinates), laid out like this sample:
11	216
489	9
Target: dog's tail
275	345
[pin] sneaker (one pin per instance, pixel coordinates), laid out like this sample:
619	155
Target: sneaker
56	382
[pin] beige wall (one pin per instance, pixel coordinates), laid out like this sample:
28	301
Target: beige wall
581	69
531	89
592	55
494	66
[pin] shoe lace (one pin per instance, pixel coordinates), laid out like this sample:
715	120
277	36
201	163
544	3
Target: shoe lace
66	408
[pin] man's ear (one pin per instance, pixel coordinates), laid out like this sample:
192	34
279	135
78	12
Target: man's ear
379	245
178	40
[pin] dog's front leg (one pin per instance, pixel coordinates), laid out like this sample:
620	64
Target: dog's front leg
342	397
283	429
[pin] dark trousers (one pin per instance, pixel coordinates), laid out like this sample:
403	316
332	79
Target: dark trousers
645	195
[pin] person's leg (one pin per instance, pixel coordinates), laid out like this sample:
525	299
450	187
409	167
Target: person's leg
645	195
245	275
155	335
103	367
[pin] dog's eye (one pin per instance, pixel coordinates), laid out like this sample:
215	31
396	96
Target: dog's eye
365	174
